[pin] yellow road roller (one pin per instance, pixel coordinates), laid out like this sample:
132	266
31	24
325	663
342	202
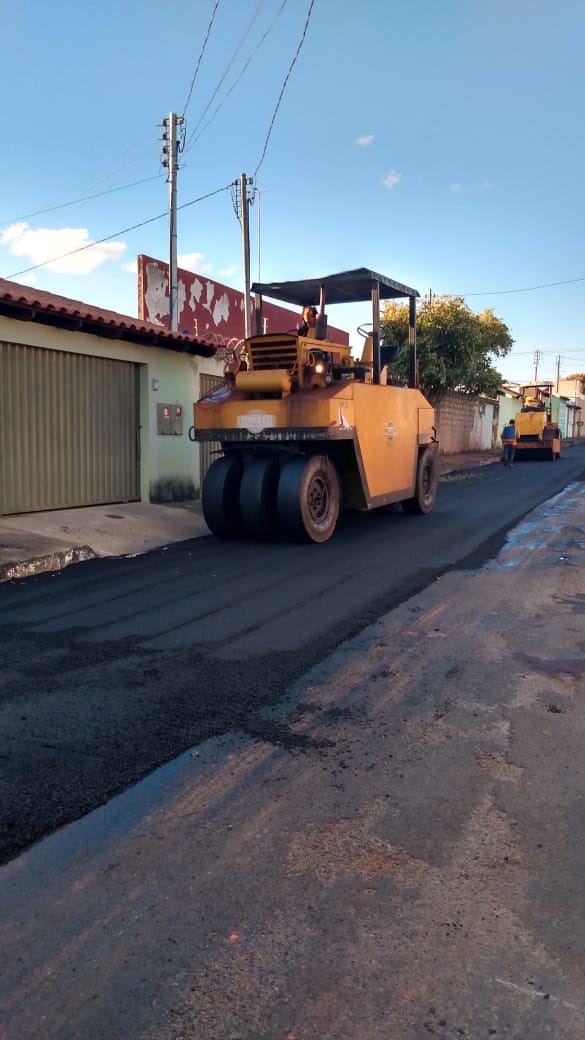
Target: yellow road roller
306	430
539	436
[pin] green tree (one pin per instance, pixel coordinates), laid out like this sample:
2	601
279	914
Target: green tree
581	377
455	346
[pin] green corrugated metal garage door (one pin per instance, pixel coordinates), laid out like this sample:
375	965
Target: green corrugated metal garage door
69	429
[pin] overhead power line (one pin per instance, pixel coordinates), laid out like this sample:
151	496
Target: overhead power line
123	231
201	53
195	136
74	202
576	352
238	48
94	181
283	88
529	288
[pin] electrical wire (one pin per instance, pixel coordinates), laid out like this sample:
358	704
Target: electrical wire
202	52
74	202
91	180
235	194
283	88
578	351
529	288
239	46
194	139
123	231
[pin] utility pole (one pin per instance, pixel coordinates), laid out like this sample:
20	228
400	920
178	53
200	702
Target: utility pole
169	155
536	360
558	371
244	218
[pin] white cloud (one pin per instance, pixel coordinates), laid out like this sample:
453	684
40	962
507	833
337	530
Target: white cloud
131	267
363	142
195	262
458	188
50	247
392	179
227	272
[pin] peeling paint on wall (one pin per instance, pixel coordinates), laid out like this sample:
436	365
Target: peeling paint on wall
207	309
155	294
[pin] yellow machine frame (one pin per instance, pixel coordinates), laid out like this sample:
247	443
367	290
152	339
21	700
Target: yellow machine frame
307	431
538	436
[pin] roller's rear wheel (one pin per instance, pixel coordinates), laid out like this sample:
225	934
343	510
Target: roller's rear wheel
425	491
220	497
258	498
309	496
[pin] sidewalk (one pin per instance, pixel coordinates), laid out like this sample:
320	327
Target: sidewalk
34	542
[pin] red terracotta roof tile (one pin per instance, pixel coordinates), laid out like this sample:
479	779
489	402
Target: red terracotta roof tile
14	297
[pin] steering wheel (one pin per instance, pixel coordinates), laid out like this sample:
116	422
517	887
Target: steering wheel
389	353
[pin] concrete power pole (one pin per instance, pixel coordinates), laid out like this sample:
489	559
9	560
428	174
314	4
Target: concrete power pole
169	156
245	222
536	360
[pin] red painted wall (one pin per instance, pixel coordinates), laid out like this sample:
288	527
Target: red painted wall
212	312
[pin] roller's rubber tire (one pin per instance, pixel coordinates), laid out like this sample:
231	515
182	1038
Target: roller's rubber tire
220	497
309	498
258	506
426	485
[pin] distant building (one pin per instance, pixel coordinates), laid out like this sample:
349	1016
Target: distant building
570	390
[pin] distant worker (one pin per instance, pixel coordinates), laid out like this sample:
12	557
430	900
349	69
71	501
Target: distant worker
313	325
509	441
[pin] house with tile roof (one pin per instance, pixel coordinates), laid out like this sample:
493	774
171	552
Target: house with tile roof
95	406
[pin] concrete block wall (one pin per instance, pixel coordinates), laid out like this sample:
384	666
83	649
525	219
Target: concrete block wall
465	423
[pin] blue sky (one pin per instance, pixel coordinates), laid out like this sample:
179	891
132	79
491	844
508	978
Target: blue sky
439	142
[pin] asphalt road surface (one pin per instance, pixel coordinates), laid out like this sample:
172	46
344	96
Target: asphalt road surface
373	833
115	666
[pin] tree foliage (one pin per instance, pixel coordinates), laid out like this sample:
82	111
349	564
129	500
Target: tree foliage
455	346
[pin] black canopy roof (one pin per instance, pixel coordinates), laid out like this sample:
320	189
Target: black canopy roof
346	287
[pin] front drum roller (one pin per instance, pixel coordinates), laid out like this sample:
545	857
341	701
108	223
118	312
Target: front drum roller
220	497
309	495
258	497
425	491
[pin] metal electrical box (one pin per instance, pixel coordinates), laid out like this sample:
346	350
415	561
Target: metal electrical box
169	420
163	419
177	420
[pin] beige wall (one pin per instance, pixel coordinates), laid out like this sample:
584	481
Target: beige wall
169	466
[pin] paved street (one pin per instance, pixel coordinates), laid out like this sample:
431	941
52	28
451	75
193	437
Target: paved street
380	838
115	666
